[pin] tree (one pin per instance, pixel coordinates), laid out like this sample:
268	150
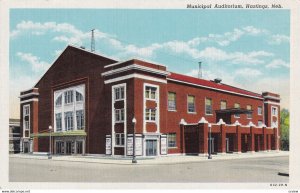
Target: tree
285	127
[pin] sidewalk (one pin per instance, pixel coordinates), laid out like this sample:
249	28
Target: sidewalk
176	159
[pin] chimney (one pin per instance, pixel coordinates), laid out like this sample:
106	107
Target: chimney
217	80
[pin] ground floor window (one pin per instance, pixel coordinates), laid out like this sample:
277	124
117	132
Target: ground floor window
172	140
60	147
119	139
79	147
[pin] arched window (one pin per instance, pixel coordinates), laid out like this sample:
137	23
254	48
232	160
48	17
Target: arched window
58	101
79	97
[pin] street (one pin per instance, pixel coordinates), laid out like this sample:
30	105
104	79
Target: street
262	170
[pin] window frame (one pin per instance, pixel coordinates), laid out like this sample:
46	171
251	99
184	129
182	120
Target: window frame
81	119
173	137
175	107
119	139
274	107
119	93
56	121
194	104
149	89
66	97
221	104
259	112
151	112
237	115
210	105
119	115
67	128
249	116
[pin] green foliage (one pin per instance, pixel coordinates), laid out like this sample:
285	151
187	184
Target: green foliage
285	127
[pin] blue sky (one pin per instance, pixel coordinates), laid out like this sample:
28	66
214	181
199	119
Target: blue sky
246	48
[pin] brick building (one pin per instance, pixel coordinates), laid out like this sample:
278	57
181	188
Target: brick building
90	102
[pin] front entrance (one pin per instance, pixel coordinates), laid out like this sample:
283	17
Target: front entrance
151	147
69	147
26	147
60	147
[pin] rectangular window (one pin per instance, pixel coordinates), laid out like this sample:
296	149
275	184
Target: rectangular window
150	114
150	92
249	115
223	105
69	97
259	123
26	110
69	120
274	111
208	106
259	110
172	140
58	121
58	101
171	101
26	117
119	139
237	106
191	104
80	119
119	115
119	93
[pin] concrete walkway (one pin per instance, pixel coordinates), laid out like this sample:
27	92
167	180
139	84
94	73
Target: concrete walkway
170	159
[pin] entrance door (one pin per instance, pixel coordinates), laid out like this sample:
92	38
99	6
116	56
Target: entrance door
79	147
59	147
26	147
151	147
68	147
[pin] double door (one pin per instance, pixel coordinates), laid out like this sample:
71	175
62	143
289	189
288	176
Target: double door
151	147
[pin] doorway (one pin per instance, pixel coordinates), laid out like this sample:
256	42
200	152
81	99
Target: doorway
69	147
151	147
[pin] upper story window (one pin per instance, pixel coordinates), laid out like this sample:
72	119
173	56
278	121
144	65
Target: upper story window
171	101
274	111
150	114
119	139
150	92
119	115
69	120
69	97
223	105
259	110
237	106
79	97
119	93
26	110
191	104
208	106
58	101
259	123
58	121
26	117
80	119
249	115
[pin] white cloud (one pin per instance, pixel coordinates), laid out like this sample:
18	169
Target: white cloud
278	39
36	64
277	63
251	30
248	72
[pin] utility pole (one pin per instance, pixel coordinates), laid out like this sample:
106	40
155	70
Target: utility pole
93	41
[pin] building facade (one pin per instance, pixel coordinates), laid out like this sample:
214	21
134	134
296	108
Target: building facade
90	102
14	136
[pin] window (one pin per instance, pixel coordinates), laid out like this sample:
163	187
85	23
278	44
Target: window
259	123
223	105
119	139
80	119
172	140
191	104
69	97
237	106
150	114
79	97
208	106
119	115
58	101
150	92
172	101
26	117
119	93
259	110
69	120
249	115
274	111
58	121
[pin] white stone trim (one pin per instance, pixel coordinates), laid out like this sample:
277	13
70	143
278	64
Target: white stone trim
135	75
28	89
271	102
29	94
157	116
135	67
271	97
214	88
113	141
29	100
137	58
